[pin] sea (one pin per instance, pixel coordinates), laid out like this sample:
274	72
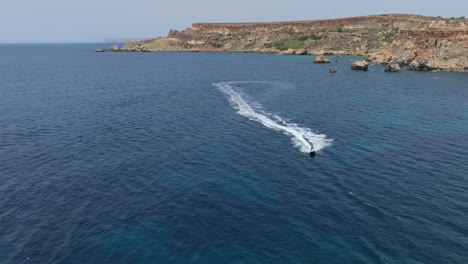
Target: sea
203	158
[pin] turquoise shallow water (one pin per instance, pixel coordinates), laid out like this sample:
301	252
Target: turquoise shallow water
198	158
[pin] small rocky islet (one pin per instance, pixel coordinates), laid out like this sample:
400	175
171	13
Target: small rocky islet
396	41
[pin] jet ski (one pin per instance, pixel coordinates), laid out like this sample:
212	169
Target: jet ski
312	151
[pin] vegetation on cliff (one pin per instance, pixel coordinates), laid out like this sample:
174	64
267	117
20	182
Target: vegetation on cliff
419	42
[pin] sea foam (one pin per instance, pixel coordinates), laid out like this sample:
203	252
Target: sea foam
303	138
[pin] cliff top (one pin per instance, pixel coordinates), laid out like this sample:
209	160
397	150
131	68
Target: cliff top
357	18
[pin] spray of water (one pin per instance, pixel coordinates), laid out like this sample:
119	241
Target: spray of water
302	138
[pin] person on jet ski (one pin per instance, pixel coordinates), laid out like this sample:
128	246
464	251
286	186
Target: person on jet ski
312	151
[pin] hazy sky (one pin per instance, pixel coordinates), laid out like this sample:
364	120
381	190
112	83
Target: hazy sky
96	20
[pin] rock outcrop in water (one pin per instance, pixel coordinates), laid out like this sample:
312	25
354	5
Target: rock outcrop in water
321	59
393	67
416	42
360	66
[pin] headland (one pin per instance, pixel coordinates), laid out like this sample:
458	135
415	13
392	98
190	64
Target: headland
412	41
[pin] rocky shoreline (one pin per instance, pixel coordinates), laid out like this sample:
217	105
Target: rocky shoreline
401	41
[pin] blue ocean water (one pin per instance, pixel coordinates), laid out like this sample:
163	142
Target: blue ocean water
200	158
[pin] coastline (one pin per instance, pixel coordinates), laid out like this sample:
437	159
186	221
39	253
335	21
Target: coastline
415	42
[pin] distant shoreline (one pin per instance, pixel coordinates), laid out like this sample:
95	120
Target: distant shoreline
411	41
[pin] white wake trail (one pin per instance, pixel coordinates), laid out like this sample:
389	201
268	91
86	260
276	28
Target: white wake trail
303	138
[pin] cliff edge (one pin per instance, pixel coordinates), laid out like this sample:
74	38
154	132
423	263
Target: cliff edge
416	42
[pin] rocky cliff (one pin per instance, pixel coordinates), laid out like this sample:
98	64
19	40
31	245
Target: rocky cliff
417	42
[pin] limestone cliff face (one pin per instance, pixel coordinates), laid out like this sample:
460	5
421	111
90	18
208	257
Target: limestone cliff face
445	49
418	42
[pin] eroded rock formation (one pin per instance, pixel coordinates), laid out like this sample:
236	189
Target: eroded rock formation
321	59
360	66
393	67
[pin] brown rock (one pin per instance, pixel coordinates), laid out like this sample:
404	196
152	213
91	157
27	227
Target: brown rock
394	67
360	66
115	48
409	45
334	70
301	52
420	64
407	57
321	59
288	52
369	58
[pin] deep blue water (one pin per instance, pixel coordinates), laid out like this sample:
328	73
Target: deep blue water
139	158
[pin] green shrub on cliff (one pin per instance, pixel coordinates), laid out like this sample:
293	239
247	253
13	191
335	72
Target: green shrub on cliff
296	41
216	44
295	44
303	37
285	44
376	29
290	32
389	36
279	45
312	36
